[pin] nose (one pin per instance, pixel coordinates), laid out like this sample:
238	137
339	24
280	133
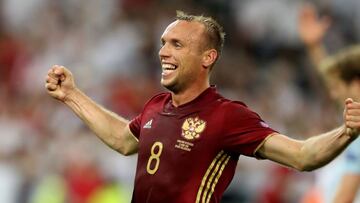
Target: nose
164	51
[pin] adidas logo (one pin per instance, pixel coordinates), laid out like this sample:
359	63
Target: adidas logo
148	124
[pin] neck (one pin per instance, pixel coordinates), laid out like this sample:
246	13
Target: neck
188	95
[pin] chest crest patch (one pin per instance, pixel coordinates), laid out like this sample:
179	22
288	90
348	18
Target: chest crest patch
192	128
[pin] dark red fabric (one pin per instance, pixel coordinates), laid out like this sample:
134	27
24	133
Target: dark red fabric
231	129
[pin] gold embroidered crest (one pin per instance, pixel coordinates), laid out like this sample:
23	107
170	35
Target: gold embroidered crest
192	127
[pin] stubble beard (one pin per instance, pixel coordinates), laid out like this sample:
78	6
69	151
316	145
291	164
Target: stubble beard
179	83
173	87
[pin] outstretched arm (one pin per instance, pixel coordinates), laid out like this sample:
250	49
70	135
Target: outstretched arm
316	151
110	128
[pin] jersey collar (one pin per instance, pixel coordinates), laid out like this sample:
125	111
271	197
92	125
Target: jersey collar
206	97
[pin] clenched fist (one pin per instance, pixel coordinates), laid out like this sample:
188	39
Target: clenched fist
352	117
59	82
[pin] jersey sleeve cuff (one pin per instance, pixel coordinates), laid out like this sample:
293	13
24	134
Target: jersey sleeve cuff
132	134
261	144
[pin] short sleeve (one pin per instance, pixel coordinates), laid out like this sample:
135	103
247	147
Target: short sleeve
135	126
244	130
352	158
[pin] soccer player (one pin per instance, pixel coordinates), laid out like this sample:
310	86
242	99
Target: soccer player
189	139
338	182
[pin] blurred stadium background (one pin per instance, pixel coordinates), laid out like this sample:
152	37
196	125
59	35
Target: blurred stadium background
48	156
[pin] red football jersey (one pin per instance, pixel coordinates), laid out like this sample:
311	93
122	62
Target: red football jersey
189	153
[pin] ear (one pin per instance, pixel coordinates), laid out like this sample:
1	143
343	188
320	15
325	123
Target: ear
209	58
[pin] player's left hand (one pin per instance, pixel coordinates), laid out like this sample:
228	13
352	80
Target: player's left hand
352	117
311	27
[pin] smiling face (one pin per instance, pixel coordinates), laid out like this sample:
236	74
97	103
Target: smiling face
182	55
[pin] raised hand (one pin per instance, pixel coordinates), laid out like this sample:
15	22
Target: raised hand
311	27
59	82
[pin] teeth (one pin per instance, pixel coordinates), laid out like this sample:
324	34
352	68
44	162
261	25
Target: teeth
167	66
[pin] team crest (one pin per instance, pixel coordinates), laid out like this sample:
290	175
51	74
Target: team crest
192	127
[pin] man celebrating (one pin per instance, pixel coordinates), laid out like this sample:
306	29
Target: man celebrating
189	139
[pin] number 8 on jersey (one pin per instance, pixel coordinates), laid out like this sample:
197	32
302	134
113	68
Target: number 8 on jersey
156	151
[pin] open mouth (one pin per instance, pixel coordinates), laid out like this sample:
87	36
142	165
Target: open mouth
168	68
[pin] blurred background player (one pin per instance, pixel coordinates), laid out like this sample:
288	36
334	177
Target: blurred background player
340	180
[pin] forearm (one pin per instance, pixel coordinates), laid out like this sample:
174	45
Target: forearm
317	54
347	189
320	150
109	127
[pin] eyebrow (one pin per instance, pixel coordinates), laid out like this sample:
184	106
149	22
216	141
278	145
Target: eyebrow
173	41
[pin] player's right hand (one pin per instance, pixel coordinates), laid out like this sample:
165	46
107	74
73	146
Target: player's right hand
59	82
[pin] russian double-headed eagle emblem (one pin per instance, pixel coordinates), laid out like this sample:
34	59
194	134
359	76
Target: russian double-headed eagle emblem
192	127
